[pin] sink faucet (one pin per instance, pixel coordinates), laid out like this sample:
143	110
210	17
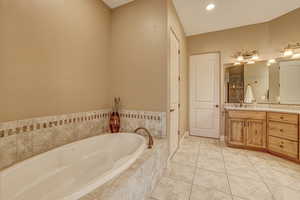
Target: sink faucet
150	144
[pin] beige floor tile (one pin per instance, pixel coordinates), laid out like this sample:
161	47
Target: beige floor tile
211	154
180	172
249	189
211	164
241	169
211	179
169	189
238	198
202	193
284	193
279	178
185	158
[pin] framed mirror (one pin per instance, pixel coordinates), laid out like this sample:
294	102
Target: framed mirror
263	82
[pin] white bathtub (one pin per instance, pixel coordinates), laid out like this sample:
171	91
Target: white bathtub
71	171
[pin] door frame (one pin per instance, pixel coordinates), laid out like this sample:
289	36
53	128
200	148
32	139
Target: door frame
221	72
172	31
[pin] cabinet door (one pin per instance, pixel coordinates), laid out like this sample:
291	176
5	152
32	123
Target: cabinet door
236	132
256	133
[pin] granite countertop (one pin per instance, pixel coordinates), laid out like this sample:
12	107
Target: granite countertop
286	109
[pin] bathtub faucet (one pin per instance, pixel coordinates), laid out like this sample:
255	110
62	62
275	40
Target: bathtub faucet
150	144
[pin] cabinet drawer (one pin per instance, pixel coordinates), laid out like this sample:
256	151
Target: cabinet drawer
247	115
283	146
283	117
283	130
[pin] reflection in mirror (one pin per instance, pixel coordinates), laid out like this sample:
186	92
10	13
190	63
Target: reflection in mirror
268	83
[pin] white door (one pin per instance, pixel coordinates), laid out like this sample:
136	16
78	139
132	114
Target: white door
204	95
174	93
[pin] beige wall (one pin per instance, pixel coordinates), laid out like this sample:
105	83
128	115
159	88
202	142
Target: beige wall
269	38
54	57
175	25
138	56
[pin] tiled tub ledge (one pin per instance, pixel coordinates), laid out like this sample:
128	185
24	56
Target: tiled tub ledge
138	181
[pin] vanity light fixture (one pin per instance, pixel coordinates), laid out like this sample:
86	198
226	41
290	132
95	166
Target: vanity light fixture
289	50
246	56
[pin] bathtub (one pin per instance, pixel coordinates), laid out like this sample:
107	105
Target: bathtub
71	171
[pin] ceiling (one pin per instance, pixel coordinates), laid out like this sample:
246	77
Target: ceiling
229	13
116	3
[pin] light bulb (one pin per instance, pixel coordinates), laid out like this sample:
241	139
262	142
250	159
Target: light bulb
297	55
287	53
271	61
240	58
255	57
210	6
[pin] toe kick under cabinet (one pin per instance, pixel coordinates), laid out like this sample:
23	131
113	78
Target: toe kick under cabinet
277	133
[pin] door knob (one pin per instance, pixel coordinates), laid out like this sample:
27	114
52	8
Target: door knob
217	106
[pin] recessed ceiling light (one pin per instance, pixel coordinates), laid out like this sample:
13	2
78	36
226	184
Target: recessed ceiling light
210	6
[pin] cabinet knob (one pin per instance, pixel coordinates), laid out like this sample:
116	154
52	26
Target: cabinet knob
281	117
281	130
281	146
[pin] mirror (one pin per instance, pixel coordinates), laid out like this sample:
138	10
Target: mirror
276	83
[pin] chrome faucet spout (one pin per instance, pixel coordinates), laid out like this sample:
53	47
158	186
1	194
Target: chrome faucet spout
150	143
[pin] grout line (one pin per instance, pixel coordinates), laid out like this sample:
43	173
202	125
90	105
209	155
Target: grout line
263	180
195	170
226	172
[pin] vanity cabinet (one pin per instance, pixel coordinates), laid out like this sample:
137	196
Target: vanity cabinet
274	132
283	134
246	129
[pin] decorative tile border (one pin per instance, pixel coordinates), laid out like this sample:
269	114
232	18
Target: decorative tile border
155	122
23	126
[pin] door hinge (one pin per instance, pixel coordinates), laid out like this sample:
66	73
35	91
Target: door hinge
179	78
178	132
178	105
179	52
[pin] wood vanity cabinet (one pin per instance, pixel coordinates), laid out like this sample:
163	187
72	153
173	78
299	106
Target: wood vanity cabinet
283	136
274	132
246	129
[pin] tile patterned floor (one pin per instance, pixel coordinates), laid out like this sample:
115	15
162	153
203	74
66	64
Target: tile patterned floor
205	169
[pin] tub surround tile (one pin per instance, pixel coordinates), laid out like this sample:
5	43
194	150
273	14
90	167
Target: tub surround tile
24	146
155	122
137	182
8	151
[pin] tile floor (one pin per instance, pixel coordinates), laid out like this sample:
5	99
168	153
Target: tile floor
205	169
